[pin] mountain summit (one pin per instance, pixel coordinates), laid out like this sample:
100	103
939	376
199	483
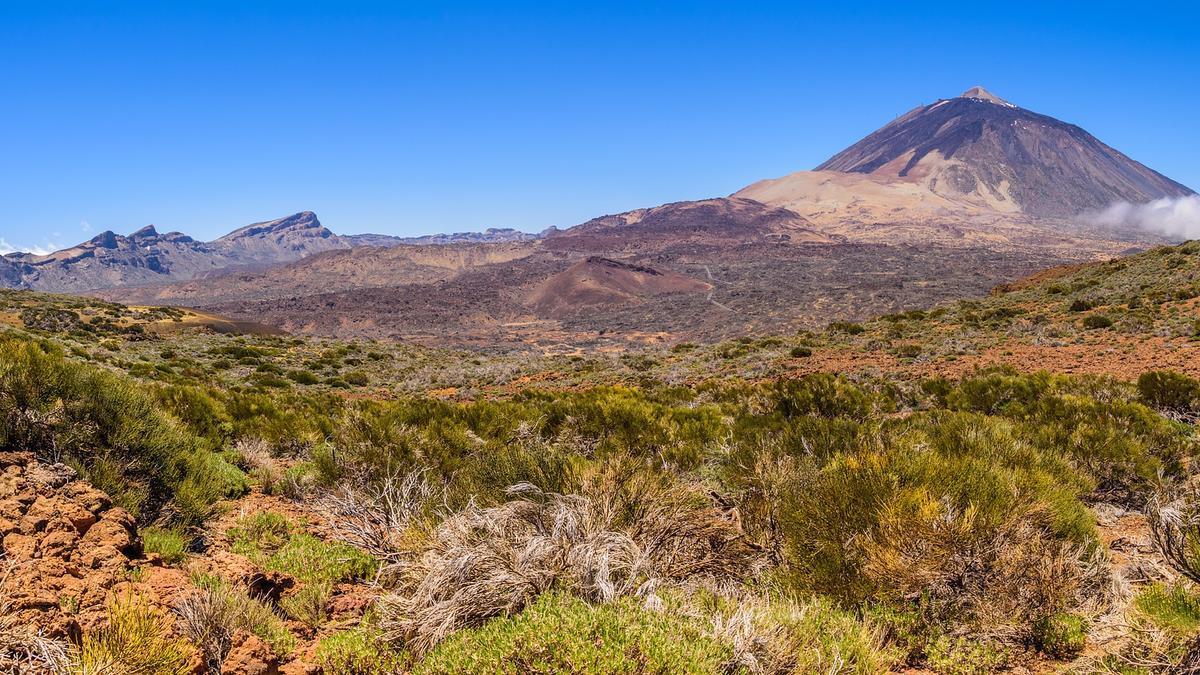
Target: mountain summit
982	149
983	95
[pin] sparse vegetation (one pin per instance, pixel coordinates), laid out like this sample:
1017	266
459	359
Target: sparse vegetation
132	641
703	508
171	545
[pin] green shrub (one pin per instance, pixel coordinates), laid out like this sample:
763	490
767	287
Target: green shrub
1118	444
106	426
1082	305
965	656
133	641
361	651
312	560
357	378
559	633
1173	608
307	604
938	496
1095	321
209	478
1169	390
825	395
1060	635
170	544
303	377
847	327
800	352
259	533
273	543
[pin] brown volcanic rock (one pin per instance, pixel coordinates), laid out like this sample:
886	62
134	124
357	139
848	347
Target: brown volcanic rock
982	149
603	281
66	545
725	221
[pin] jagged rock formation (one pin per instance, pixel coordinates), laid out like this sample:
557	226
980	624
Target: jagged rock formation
147	256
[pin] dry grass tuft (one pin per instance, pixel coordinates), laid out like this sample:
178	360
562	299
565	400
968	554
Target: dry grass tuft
377	515
210	617
486	562
1174	515
780	636
257	460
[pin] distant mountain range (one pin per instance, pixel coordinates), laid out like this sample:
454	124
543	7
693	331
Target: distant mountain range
945	201
146	257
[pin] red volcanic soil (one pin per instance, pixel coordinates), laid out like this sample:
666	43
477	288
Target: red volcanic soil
602	281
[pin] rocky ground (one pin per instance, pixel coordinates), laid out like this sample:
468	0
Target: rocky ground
68	552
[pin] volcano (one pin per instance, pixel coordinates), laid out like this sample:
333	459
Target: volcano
982	149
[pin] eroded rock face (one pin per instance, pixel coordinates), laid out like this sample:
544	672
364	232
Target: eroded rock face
65	545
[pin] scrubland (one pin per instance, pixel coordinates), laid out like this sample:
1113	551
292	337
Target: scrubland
367	508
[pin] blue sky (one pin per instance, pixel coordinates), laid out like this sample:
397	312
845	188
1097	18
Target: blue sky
417	117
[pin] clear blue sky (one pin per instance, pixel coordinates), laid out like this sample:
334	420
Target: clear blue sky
415	117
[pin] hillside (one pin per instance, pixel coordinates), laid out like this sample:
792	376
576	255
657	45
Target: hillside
296	505
601	281
1039	322
984	150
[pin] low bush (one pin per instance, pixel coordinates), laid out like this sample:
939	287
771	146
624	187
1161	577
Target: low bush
847	328
307	604
274	544
111	430
825	395
170	544
360	651
132	641
965	656
1060	635
1082	305
560	633
1173	608
951	508
1169	391
303	377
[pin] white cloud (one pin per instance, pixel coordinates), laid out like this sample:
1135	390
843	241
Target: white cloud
1174	217
85	226
6	248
